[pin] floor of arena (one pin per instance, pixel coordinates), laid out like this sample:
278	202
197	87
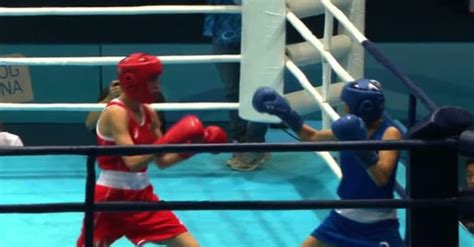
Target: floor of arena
288	176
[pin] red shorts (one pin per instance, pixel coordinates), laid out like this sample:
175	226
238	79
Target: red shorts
138	227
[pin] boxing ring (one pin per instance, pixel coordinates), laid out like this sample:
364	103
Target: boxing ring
435	140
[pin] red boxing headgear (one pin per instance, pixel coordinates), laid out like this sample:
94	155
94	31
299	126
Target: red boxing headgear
134	72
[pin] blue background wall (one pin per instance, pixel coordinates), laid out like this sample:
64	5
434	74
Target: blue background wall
70	84
443	70
432	40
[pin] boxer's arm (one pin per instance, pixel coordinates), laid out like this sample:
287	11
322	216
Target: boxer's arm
267	100
383	169
308	133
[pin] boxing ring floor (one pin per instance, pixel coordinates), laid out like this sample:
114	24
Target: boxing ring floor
287	176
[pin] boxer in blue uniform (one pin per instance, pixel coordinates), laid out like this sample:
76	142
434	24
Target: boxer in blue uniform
366	174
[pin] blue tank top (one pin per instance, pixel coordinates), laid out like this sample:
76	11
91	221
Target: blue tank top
356	182
224	28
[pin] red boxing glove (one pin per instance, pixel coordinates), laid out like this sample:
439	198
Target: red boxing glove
214	134
187	130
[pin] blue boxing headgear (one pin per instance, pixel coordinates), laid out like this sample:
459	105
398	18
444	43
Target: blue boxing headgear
364	98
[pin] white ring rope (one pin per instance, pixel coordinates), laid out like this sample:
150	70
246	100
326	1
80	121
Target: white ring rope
306	84
342	18
327	108
99	107
136	10
314	41
300	76
96	61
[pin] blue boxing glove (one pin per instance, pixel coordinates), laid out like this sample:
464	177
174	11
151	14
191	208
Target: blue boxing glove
267	100
352	128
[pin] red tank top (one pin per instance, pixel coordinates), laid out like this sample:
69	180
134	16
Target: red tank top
141	133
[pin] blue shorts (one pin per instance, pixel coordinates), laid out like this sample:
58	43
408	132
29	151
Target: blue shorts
340	231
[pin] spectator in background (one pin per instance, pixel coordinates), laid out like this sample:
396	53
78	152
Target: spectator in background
467	216
9	139
470	174
112	92
225	31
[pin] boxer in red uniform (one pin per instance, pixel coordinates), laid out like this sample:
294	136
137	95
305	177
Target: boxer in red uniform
127	120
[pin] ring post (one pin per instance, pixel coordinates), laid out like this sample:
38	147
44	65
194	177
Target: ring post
433	174
263	53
